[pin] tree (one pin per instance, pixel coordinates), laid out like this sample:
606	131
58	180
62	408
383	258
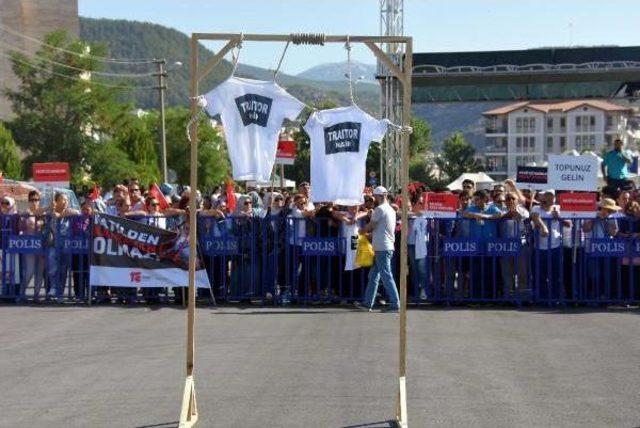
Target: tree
110	165
134	136
420	141
213	163
10	164
58	113
457	157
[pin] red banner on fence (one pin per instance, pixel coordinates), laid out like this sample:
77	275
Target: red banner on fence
577	204
440	205
55	173
286	153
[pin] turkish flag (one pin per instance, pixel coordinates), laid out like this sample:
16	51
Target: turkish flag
156	193
231	196
95	193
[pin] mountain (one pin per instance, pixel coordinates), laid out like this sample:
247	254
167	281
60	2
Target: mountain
335	71
464	117
133	39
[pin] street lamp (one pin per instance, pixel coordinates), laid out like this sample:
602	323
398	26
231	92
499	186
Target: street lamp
162	73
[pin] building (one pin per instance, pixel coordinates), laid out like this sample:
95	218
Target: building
524	133
21	20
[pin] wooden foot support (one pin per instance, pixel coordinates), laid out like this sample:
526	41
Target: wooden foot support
401	410
189	411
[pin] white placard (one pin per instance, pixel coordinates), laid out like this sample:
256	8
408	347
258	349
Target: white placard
573	173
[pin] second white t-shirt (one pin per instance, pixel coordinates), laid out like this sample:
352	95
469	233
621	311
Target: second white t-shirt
252	112
340	139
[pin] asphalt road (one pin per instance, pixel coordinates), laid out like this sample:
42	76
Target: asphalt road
319	367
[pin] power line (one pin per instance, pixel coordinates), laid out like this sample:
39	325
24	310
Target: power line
95	58
90	82
71	67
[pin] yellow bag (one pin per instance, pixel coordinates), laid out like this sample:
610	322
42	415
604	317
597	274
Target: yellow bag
364	252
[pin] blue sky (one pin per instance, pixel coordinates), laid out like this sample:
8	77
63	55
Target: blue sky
436	26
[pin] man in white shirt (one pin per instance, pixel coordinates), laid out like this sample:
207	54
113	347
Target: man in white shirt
382	228
304	189
547	226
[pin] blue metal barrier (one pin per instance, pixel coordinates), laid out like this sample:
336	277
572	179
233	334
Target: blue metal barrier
283	259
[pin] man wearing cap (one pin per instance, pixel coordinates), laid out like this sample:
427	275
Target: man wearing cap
614	165
604	226
382	228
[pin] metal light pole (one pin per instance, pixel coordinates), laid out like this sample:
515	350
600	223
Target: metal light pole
162	74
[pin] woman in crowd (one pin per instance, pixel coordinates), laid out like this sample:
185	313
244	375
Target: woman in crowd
32	223
245	268
417	248
9	263
275	224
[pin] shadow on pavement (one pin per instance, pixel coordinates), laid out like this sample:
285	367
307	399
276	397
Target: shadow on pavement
379	424
173	424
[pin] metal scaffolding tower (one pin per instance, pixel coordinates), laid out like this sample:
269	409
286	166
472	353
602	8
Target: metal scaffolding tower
391	24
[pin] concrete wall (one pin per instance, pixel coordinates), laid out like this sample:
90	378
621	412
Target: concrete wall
34	18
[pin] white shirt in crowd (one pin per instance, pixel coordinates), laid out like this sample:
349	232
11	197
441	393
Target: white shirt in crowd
418	236
350	234
340	139
252	112
383	235
297	227
554	240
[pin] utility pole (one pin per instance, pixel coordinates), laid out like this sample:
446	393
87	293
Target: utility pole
163	136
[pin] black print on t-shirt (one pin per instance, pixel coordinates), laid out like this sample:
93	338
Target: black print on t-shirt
342	137
254	108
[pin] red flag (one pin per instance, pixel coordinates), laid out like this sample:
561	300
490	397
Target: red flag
95	193
155	192
231	196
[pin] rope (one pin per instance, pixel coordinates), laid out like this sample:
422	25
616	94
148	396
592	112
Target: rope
193	119
347	46
308	38
277	70
235	54
403	129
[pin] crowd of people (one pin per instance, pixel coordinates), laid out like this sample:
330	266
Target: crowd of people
271	225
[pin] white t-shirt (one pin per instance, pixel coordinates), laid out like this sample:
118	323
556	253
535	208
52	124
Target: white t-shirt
383	236
252	112
554	240
350	234
296	224
340	139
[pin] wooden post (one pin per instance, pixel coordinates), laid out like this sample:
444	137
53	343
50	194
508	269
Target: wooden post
404	268
189	411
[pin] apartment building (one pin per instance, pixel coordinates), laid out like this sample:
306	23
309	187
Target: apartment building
526	132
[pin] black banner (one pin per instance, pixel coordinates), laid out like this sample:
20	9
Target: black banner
128	253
